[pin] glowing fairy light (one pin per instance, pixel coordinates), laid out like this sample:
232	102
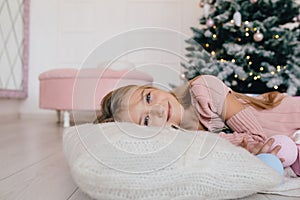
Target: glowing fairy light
278	68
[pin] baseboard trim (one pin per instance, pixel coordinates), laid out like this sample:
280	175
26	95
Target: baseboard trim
50	116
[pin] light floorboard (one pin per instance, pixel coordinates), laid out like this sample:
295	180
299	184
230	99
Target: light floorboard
79	195
32	163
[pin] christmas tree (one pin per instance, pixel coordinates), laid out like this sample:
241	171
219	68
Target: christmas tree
252	45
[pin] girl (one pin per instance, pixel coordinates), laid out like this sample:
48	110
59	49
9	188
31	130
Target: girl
206	103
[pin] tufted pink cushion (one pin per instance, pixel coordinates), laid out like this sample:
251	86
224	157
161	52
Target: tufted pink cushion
72	89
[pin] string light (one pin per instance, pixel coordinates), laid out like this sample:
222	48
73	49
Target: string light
239	39
250	63
247	34
214	27
233	60
247	57
214	36
213	53
261	69
232	21
251	73
278	68
275	87
258	76
206	45
276	36
246	22
235	76
247	29
254	29
272	72
255	77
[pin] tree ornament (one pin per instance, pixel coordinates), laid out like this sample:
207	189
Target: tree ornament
295	19
201	4
253	1
258	36
210	22
182	76
237	18
206	10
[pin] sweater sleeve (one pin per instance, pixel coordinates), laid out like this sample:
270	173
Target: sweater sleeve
208	98
245	123
208	95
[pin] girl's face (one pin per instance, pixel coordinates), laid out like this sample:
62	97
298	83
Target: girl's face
151	107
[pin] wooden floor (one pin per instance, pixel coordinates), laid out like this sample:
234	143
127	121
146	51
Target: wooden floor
32	164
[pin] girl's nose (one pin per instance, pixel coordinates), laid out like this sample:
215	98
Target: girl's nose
157	110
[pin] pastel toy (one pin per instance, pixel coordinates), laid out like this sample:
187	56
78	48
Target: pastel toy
288	149
296	166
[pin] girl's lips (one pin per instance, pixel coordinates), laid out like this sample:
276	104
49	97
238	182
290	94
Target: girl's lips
169	111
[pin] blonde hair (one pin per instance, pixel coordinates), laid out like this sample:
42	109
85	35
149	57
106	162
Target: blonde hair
267	100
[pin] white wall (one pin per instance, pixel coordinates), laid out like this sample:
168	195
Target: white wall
63	32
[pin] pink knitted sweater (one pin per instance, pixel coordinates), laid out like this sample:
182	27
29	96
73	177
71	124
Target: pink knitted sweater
208	97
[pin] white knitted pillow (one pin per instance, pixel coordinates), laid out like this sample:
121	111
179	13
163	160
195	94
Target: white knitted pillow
126	161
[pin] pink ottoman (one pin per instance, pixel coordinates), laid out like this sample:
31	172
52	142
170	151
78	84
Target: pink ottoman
72	89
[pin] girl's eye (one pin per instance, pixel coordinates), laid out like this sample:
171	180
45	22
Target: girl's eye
148	97
146	121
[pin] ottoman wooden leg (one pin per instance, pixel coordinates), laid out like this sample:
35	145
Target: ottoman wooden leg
58	114
66	119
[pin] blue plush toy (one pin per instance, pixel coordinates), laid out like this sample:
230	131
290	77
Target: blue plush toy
272	161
